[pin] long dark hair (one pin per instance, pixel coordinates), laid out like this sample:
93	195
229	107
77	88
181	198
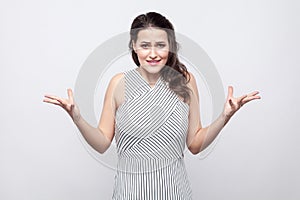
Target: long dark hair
174	72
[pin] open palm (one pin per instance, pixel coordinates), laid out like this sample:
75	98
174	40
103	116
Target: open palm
233	104
67	104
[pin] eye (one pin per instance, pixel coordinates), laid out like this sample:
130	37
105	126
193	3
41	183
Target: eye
161	45
145	46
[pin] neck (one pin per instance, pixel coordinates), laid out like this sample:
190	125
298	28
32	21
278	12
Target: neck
151	78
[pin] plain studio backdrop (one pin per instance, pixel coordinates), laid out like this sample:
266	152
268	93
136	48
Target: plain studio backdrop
253	44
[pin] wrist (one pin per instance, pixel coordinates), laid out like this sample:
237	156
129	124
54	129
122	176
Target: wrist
226	117
76	118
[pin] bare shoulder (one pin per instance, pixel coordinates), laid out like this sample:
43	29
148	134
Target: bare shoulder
117	87
117	78
115	82
192	84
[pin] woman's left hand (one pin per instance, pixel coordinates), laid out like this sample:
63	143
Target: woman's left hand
233	104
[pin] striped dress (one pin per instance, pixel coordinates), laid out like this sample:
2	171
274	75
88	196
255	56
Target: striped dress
150	133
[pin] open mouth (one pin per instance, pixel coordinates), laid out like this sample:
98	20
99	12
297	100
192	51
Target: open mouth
153	62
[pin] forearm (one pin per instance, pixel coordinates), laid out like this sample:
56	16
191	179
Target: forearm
94	137
205	136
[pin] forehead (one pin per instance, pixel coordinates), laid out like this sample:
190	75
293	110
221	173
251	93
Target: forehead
152	34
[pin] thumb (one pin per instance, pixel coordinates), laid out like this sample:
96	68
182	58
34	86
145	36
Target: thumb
70	95
230	91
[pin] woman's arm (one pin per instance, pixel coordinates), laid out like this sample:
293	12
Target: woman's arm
199	138
100	137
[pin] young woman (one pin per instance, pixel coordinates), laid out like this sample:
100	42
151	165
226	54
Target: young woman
152	111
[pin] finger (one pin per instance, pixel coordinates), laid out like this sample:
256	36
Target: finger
253	93
49	98
70	95
52	97
241	98
230	92
247	97
250	99
52	101
64	102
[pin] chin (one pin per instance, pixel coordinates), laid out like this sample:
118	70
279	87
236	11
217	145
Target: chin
153	69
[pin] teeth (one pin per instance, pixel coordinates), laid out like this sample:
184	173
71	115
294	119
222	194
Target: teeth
153	62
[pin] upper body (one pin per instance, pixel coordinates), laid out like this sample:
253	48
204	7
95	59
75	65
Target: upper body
154	50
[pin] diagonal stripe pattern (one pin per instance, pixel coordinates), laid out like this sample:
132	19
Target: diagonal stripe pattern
150	133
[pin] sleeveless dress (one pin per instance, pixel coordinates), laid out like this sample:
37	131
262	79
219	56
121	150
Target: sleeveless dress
150	133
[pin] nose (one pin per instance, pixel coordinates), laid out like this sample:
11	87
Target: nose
152	54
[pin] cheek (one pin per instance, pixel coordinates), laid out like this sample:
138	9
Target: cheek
142	54
163	54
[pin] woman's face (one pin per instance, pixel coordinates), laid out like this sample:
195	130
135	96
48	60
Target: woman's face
152	49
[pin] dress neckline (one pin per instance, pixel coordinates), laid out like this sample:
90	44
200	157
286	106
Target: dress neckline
146	82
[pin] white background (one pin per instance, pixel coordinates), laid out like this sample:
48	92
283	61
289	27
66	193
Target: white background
253	44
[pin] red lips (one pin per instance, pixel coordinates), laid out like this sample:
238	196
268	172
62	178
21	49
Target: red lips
153	62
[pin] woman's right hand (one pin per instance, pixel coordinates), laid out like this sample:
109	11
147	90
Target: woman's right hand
67	104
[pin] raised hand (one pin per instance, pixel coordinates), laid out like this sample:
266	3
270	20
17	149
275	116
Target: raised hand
67	104
233	104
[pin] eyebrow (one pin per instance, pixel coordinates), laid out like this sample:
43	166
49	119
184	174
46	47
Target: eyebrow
155	42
